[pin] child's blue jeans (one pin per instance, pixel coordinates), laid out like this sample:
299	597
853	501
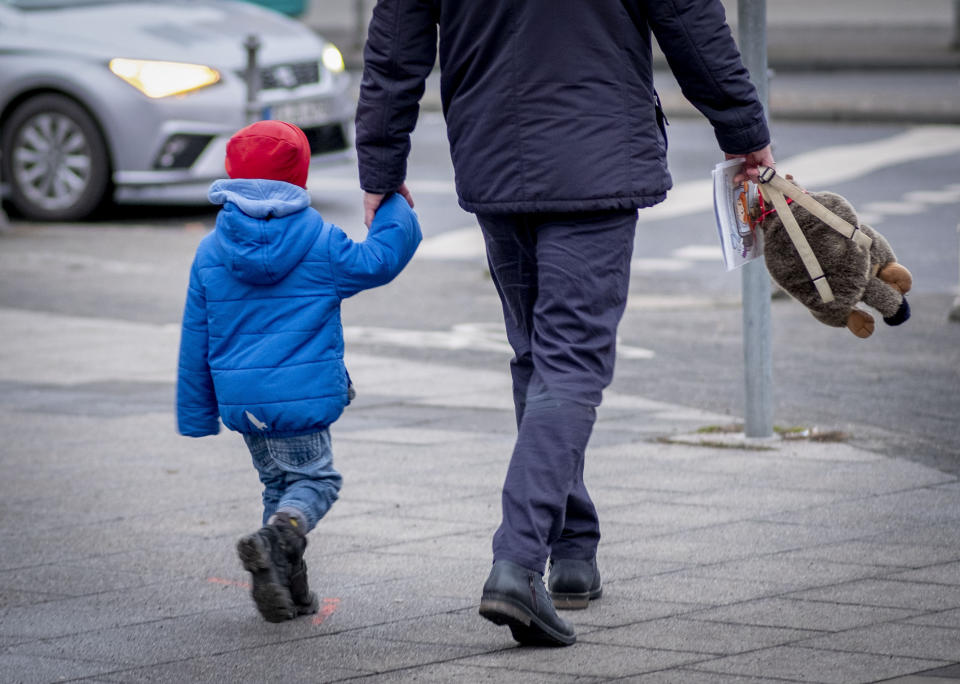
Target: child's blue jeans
297	474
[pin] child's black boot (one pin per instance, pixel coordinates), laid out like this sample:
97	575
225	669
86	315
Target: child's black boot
294	540
263	556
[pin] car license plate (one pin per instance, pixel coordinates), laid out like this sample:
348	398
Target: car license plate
306	113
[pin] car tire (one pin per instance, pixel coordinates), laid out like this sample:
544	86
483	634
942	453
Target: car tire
54	160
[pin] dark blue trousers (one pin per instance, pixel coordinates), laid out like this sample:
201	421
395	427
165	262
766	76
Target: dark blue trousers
563	281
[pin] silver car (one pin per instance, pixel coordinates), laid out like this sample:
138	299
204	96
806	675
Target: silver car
126	101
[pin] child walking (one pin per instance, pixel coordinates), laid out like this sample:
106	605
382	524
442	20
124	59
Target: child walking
262	344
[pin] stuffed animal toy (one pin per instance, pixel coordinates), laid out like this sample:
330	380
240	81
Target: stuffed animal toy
820	254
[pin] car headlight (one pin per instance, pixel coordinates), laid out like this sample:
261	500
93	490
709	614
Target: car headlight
162	79
332	59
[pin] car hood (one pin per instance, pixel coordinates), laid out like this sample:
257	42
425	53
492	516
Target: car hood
209	33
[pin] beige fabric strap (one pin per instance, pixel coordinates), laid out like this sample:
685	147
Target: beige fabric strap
775	197
818	210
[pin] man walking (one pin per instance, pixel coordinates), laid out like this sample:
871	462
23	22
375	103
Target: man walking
557	138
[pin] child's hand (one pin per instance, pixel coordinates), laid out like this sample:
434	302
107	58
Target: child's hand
372	202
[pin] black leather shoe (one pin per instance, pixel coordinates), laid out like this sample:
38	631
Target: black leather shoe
515	596
574	583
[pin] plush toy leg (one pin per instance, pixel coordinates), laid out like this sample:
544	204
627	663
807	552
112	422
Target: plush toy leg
897	276
860	323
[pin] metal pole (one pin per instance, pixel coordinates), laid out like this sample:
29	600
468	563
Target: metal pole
252	77
755	281
360	23
956	25
955	310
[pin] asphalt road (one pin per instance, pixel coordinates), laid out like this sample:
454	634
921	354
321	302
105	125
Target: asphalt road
897	392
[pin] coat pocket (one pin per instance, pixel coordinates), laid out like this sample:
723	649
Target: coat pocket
662	121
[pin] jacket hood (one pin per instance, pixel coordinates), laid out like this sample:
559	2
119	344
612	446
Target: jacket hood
263	230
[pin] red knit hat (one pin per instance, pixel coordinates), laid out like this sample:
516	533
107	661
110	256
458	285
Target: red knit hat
275	150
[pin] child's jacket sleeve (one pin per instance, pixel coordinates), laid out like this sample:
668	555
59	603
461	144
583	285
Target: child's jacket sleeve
391	241
197	413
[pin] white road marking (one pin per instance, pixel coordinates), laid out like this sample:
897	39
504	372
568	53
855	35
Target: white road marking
42	261
894	208
473	336
949	195
460	243
644	265
698	253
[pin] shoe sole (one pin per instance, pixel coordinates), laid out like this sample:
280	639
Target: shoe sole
574	601
270	596
308	608
526	628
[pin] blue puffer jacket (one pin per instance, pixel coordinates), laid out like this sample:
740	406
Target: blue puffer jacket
262	342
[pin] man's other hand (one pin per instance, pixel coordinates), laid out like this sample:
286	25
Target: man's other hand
752	162
372	201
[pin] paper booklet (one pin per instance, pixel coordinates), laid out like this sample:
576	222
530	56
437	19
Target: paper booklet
738	241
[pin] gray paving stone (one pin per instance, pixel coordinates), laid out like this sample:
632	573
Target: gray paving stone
684	676
614	568
164	640
730	541
888	593
799	614
444	673
607	496
787	570
681	634
885	513
34	670
475	547
682	587
480	511
671	515
928	535
593	660
319	659
946	618
227	668
615	533
128	606
72	580
762	500
877	553
462	627
894	638
381	530
662	479
617	608
812	665
362	567
368	605
11	598
944	573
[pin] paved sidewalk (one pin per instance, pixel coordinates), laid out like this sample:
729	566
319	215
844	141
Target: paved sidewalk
724	560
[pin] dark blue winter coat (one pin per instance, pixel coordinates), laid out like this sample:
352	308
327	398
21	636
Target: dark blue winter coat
262	342
549	104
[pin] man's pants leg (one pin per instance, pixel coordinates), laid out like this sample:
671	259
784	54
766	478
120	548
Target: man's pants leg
563	281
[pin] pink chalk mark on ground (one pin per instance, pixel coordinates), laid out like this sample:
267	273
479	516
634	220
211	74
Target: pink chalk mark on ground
327	608
228	582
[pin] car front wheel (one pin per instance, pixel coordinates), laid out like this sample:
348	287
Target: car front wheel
54	159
